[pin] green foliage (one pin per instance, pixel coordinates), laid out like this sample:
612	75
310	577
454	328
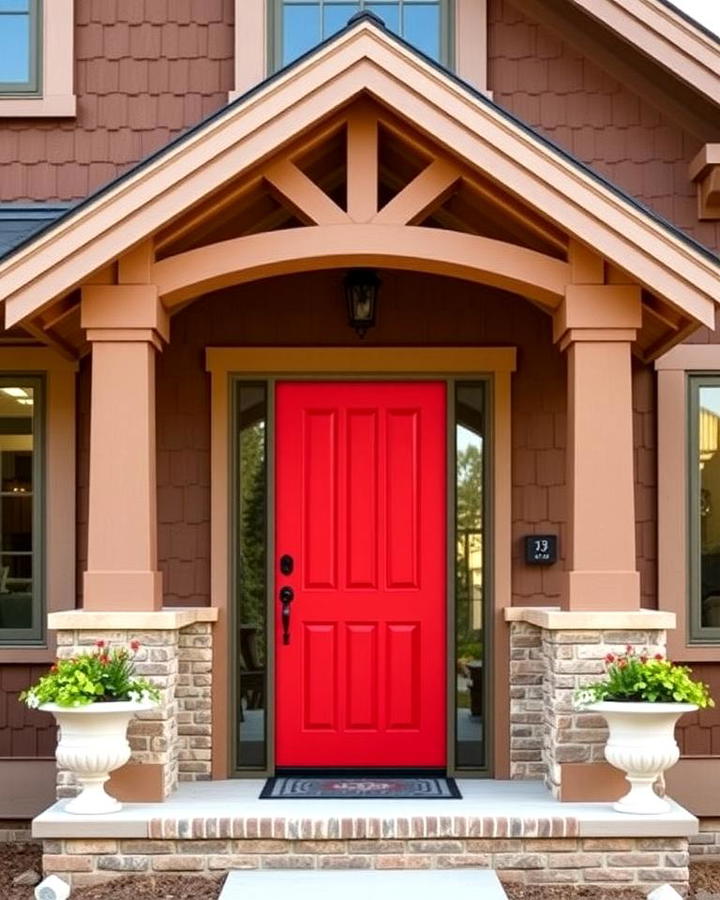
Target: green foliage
632	676
104	675
469	506
252	536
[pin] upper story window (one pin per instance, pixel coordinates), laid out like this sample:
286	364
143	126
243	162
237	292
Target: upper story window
37	40
21	482
705	508
19	44
301	24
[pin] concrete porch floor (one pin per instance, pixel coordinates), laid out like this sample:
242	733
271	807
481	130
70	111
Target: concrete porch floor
488	809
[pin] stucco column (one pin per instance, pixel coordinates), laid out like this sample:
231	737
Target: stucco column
595	326
125	325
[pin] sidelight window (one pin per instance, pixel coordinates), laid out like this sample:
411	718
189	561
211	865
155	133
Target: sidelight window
471	663
251	617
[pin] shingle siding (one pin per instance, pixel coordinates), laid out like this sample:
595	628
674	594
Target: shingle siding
145	70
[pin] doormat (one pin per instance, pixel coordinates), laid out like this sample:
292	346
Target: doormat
360	788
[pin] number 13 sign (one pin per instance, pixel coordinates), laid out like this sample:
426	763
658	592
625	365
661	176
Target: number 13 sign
540	549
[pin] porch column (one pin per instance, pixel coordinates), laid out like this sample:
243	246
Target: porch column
596	325
126	325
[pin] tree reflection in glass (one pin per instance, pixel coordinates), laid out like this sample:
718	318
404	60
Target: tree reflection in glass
469	582
251	580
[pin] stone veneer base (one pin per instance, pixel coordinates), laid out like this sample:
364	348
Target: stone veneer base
552	654
638	863
176	656
211	827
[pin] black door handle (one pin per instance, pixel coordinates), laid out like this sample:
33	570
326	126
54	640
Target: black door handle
287	595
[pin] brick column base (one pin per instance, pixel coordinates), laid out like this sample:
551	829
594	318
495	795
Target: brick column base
172	742
554	653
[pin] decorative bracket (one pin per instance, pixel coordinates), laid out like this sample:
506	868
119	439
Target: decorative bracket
705	172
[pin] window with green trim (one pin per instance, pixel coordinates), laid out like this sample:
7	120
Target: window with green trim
302	24
21	485
19	46
704	512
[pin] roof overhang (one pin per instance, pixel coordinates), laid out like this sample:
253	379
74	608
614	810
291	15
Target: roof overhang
658	30
364	60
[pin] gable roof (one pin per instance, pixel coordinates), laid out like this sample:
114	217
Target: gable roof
363	58
661	31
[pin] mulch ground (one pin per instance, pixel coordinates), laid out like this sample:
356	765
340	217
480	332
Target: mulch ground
18	858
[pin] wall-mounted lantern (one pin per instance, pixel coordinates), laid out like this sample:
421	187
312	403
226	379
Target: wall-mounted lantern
361	292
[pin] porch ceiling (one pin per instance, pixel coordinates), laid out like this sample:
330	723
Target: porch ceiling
361	154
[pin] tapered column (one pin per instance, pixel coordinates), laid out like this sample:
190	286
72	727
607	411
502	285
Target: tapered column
595	326
126	325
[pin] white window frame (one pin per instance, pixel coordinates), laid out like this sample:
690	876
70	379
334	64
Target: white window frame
56	52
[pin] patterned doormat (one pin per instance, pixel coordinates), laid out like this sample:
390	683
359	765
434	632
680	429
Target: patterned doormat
360	788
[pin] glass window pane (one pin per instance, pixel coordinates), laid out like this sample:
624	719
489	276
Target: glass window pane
14	49
14	6
336	15
251	575
469	583
16	517
17	447
421	27
301	29
388	12
709	505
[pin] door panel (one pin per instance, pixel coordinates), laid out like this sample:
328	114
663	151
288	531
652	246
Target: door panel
360	488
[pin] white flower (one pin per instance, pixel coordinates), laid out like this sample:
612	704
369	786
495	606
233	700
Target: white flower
583	698
134	696
32	700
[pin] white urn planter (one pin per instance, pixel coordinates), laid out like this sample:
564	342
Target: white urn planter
92	744
642	744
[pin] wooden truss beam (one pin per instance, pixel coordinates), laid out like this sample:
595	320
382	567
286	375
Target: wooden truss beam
306	200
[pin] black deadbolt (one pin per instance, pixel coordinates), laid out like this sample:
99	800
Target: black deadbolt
286	564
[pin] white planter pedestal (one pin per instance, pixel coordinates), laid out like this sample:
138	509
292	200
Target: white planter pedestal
92	744
642	744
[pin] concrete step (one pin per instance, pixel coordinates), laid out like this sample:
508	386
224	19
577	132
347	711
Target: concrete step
361	884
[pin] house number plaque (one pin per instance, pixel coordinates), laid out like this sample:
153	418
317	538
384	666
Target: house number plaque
540	549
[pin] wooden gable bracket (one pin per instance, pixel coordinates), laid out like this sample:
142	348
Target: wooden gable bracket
705	172
313	206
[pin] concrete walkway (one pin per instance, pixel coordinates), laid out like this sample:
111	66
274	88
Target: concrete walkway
462	884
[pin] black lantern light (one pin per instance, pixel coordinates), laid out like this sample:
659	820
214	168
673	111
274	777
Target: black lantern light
361	292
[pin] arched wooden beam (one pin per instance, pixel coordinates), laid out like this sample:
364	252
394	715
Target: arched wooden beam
188	275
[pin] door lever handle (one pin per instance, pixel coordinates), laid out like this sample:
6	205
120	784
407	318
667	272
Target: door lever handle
287	595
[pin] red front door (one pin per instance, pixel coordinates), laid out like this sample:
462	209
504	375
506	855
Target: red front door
360	496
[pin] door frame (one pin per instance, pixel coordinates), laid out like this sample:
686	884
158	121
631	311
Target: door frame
230	365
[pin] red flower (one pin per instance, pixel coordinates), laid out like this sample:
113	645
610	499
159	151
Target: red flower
643	658
658	656
610	658
135	646
100	644
622	663
53	667
628	648
104	660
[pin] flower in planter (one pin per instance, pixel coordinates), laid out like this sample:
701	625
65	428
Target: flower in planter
104	675
644	677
